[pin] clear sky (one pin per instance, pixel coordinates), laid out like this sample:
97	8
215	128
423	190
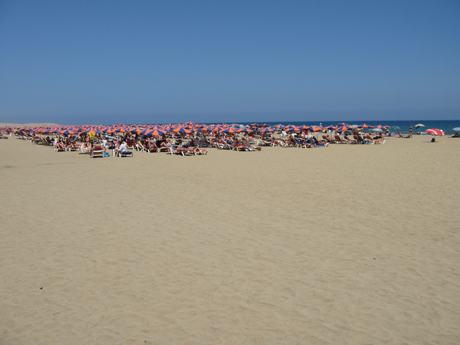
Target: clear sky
109	61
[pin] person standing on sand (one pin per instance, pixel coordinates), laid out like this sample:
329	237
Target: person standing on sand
410	128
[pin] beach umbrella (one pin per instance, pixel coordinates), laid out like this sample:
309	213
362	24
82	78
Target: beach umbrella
157	132
182	130
315	128
330	128
418	125
205	128
67	132
245	130
229	130
435	131
153	132
91	131
344	128
456	129
119	130
364	126
266	130
291	128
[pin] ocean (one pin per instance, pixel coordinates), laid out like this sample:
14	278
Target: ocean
396	126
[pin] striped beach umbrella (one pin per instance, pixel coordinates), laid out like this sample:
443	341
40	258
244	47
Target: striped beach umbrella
244	130
266	130
345	128
230	130
364	126
182	130
291	128
67	132
156	132
435	131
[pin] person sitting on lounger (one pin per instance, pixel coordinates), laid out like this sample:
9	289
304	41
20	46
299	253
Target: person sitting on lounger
120	148
152	147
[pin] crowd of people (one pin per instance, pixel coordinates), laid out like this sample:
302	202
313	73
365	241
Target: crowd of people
193	142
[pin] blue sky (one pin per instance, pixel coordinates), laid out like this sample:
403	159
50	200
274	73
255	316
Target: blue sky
77	62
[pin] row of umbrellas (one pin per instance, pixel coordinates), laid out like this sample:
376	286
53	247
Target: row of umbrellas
188	128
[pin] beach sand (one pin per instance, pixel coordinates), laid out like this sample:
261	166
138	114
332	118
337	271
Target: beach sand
350	244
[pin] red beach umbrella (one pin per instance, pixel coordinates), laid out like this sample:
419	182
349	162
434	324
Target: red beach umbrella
435	131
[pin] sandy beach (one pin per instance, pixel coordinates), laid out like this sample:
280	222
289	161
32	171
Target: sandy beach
349	244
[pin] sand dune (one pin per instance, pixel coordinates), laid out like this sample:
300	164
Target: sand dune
350	244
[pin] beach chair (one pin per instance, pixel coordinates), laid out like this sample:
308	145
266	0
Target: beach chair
328	140
140	147
175	150
153	147
130	144
200	151
126	154
368	140
362	140
340	140
97	151
350	141
84	148
59	147
374	141
73	148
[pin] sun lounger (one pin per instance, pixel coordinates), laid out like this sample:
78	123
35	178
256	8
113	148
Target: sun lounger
140	147
374	141
175	150
200	151
340	140
362	140
126	154
328	140
131	145
59	147
97	151
350	141
85	149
